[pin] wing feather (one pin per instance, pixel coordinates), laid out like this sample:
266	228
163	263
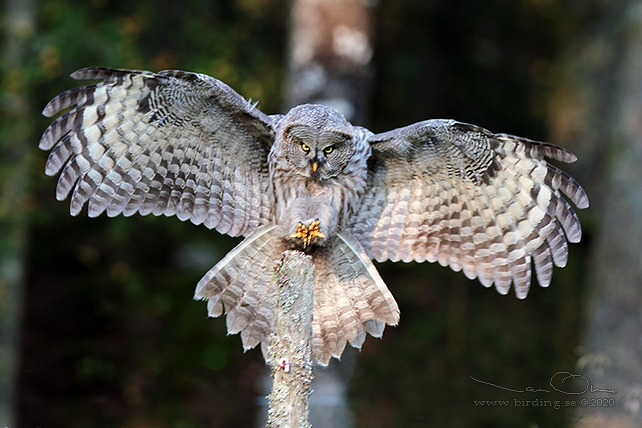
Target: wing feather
488	204
172	143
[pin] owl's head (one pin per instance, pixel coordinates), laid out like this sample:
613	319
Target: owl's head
318	141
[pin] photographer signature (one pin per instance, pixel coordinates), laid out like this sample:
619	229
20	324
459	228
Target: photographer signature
558	379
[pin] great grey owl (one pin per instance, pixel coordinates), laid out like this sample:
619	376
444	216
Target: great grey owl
187	144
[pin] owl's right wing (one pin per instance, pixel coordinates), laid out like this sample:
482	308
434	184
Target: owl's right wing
488	204
167	143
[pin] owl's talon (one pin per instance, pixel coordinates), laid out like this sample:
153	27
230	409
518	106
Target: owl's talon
314	230
301	232
306	234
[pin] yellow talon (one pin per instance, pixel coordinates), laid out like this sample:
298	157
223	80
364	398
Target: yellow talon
307	233
301	232
315	230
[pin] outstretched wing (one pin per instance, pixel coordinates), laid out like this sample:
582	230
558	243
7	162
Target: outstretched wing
487	204
168	143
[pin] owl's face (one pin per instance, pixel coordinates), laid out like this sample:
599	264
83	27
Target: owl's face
318	141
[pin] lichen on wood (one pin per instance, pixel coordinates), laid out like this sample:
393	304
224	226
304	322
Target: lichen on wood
289	351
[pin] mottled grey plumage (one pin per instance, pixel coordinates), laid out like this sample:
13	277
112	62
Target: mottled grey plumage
187	144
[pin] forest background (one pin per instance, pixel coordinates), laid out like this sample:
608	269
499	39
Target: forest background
98	326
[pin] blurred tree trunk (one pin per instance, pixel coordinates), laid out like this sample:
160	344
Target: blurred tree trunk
330	63
600	116
330	56
16	125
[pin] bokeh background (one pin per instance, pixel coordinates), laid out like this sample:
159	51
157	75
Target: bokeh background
100	313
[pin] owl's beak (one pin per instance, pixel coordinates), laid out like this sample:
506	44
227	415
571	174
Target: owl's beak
315	166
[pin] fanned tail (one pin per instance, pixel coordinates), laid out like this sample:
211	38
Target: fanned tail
241	285
350	298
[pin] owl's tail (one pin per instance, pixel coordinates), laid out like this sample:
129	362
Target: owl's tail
350	298
241	283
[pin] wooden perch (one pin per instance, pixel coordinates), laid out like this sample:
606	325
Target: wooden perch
289	352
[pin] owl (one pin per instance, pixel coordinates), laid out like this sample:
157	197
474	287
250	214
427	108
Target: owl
186	144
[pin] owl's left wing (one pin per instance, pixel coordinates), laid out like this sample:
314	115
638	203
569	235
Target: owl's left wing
488	204
164	143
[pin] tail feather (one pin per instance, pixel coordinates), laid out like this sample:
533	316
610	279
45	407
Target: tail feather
260	327
248	308
350	298
240	284
348	315
374	327
327	337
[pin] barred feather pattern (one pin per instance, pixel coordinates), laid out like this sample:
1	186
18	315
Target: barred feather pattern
350	298
173	143
240	285
487	204
186	144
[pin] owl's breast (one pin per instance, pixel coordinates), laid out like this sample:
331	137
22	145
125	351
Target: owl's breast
300	199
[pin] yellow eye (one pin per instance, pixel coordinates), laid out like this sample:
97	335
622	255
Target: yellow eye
305	147
328	150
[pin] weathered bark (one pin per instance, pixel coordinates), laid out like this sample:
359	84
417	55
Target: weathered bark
16	125
289	351
600	117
